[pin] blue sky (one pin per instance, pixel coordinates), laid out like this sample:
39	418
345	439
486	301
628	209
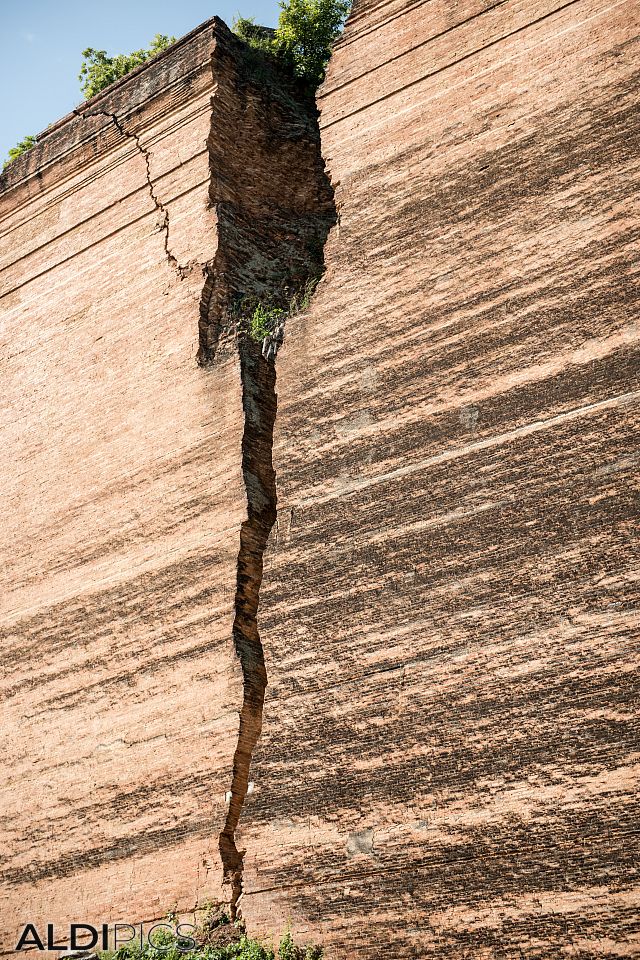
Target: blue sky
41	44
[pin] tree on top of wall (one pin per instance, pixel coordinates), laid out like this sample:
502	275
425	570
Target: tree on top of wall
99	70
302	41
19	149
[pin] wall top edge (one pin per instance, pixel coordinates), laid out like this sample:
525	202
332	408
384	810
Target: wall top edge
125	95
91	105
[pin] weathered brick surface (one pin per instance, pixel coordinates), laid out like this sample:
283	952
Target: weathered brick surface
122	512
448	766
448	762
121	689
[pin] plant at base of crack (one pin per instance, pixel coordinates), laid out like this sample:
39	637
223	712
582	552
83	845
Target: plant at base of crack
289	951
233	944
99	70
22	147
302	41
214	915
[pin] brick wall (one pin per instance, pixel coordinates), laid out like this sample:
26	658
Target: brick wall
448	766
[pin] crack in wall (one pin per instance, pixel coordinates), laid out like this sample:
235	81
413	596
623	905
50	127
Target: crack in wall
259	403
274	208
163	225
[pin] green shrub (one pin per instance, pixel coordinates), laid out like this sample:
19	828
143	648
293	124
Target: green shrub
245	948
19	149
238	947
289	951
301	299
304	36
264	320
99	70
259	318
260	38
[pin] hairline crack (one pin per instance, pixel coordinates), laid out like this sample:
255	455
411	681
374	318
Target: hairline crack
180	269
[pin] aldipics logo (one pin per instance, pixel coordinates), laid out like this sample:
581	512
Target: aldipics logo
84	936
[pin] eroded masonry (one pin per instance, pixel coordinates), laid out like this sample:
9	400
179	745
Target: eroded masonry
349	639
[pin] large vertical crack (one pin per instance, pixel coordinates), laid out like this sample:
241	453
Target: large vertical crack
259	407
274	208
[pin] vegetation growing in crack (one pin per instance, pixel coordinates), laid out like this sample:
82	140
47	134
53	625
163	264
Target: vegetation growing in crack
301	43
99	70
262	318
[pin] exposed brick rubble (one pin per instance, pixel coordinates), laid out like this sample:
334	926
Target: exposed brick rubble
273	201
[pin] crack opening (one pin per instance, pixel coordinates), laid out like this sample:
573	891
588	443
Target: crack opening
259	402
